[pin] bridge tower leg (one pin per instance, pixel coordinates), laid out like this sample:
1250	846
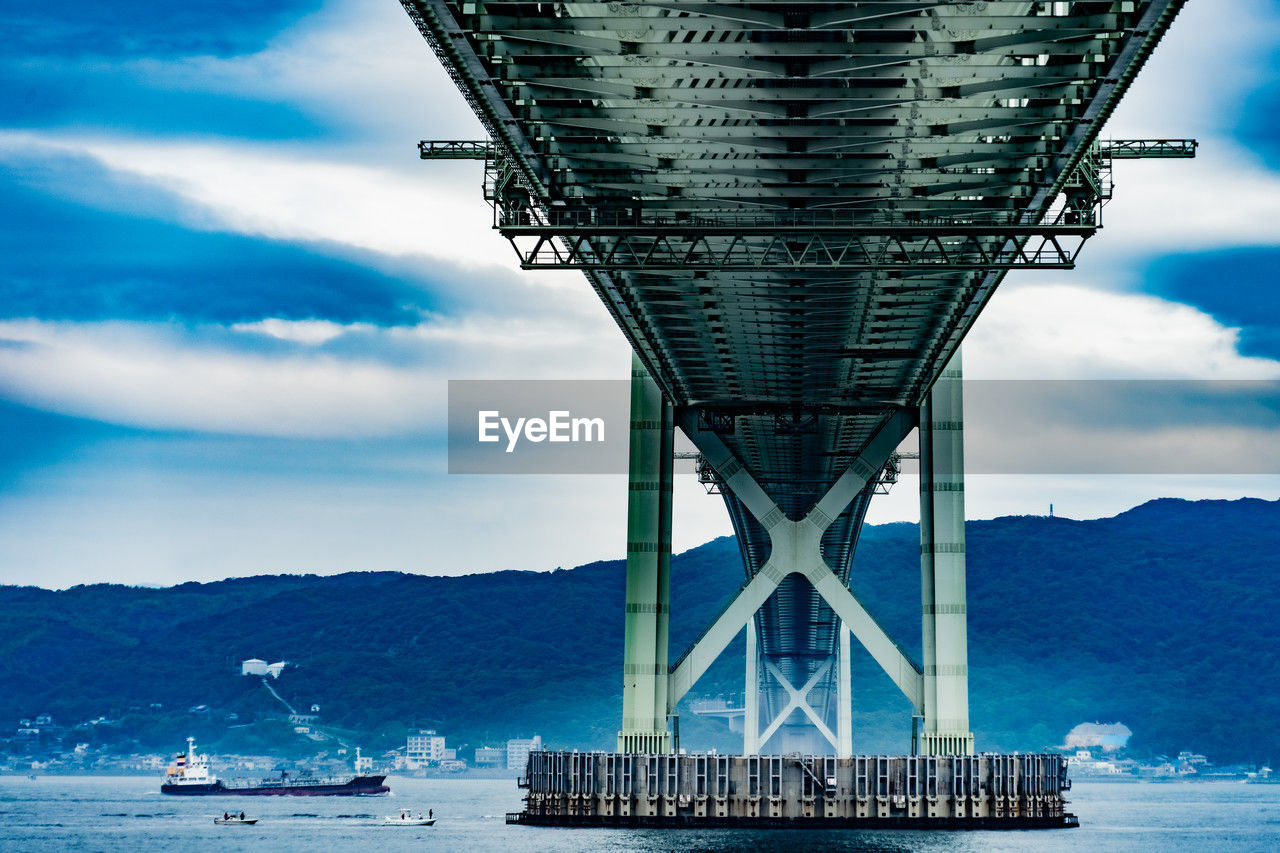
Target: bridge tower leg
751	699
648	596
844	694
942	568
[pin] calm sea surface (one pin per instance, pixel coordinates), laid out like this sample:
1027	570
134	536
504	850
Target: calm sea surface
129	814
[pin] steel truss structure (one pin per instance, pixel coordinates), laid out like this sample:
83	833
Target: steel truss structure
795	211
619	238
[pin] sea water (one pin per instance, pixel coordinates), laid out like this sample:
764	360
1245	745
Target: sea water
130	814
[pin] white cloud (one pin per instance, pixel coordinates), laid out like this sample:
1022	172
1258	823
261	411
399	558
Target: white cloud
311	332
211	379
364	66
1197	84
131	374
358	63
1225	198
283	193
1198	80
434	213
1069	331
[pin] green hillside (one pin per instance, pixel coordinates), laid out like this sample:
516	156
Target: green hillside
1163	617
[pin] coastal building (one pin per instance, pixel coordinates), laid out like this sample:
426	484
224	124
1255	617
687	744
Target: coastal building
1162	770
1084	764
259	667
518	750
422	748
490	756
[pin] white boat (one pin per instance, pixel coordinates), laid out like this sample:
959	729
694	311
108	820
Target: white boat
235	820
189	772
406	818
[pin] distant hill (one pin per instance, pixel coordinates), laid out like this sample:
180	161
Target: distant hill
1163	617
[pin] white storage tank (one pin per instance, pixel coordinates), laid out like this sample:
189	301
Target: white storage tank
253	666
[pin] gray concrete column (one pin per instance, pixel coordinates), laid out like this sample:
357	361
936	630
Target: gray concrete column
942	568
648	589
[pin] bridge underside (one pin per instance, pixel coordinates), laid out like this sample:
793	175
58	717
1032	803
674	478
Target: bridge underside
794	211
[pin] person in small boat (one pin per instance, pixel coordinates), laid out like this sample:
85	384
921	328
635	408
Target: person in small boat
430	814
225	816
242	815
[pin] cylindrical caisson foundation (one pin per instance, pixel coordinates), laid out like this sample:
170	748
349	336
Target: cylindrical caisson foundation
987	791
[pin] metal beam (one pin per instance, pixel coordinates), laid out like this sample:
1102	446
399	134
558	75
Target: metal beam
891	657
454	149
958	251
1138	149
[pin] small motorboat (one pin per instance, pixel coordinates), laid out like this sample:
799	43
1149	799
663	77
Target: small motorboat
406	818
235	820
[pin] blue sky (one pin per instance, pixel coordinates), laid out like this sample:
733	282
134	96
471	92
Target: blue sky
232	296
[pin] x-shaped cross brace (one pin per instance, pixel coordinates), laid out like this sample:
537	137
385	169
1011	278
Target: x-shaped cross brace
796	547
798	698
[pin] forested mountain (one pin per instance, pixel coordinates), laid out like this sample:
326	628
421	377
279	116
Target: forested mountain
1163	617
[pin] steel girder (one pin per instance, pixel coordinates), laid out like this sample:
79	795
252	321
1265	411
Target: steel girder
811	250
454	149
1137	149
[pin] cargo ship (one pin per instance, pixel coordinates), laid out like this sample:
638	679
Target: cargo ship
189	775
